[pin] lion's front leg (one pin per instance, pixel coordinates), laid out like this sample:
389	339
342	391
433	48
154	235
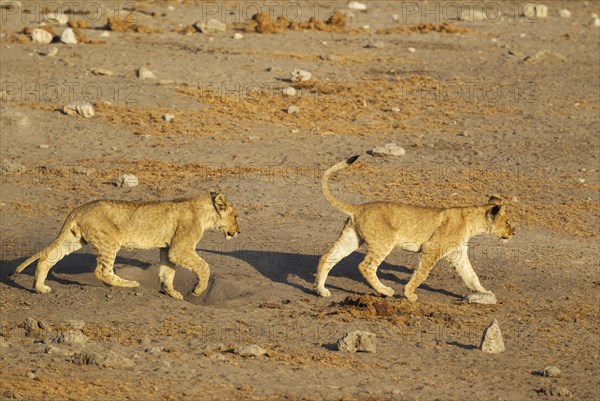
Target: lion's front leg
460	260
190	260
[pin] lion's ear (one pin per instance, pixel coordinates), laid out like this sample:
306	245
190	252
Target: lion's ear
494	211
219	201
495	200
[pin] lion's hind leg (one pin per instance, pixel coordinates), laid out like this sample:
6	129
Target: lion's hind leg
376	253
166	274
51	256
105	259
347	242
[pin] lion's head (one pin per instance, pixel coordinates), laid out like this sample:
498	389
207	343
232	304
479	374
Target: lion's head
228	221
498	220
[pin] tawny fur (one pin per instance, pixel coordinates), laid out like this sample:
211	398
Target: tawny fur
173	226
434	232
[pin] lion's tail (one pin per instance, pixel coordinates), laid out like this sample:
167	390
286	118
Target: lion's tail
68	228
338	204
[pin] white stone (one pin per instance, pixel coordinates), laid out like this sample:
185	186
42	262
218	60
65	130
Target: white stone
144	73
412	49
57	18
40	36
390	149
84	109
249	350
485	298
44	146
238	36
533	10
293	110
300	76
102	71
210	26
595	22
551	371
127	180
105	34
68	37
564	13
168	117
491	341
357	6
395	17
354	341
395	109
375	45
51	52
289	91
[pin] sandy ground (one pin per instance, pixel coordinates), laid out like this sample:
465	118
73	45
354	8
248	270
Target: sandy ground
508	104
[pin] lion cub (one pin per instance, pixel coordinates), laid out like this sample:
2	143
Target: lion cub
436	233
174	226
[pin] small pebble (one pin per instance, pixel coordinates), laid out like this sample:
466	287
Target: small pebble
144	73
412	49
238	36
68	37
293	110
357	6
289	91
551	371
564	13
168	117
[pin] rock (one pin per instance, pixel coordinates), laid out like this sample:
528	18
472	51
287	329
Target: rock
74	324
564	13
127	180
390	149
44	146
395	18
354	341
395	109
551	371
84	109
102	71
168	117
105	34
375	45
70	337
211	26
595	22
238	36
12	167
144	73
51	52
411	50
43	325
293	110
289	91
491	341
68	37
532	10
249	350
31	375
41	36
300	76
154	350
106	359
357	6
31	325
485	298
57	18
4	343
557	391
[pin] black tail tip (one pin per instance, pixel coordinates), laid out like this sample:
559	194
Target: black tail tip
352	159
